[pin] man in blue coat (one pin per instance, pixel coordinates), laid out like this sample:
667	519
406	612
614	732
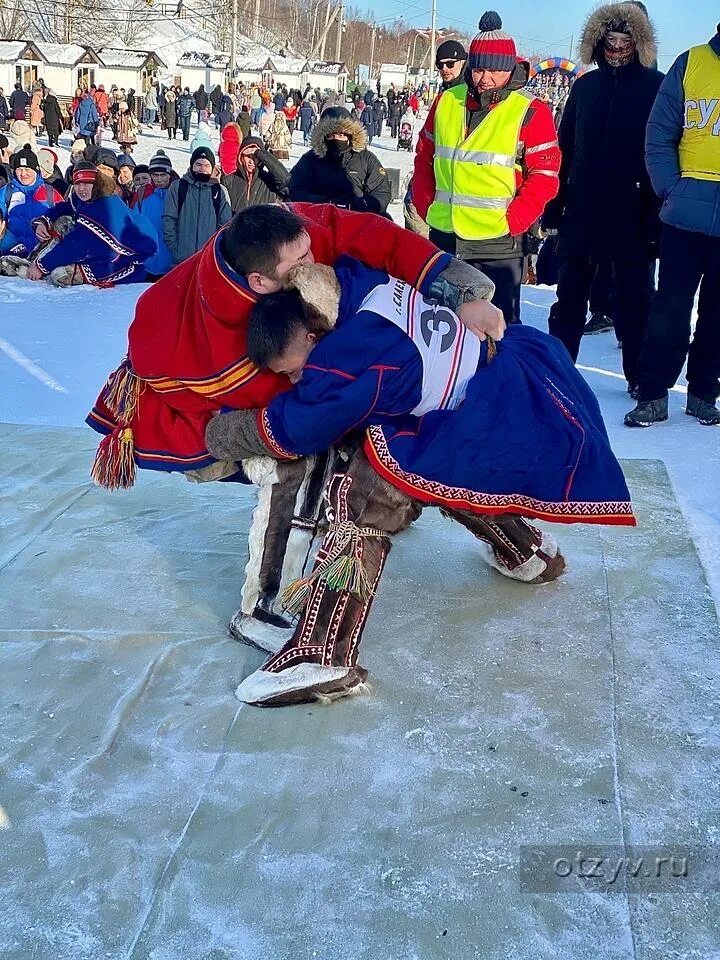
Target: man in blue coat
683	160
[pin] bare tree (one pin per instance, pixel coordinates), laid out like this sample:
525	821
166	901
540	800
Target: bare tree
14	21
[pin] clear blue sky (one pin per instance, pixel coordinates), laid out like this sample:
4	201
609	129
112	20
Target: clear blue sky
551	22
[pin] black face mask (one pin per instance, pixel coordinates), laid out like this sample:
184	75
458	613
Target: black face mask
202	177
336	148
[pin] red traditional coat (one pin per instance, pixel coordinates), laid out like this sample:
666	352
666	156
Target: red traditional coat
187	345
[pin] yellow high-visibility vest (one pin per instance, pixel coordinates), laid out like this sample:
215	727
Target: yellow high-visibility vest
699	149
475	175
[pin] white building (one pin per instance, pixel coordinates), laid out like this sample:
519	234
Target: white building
62	66
210	69
291	71
395	73
327	75
136	69
254	69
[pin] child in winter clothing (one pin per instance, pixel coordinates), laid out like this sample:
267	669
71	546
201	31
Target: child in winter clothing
23	199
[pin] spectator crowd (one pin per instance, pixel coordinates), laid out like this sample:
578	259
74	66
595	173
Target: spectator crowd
590	181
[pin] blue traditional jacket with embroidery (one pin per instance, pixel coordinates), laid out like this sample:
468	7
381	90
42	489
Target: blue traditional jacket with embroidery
110	241
447	421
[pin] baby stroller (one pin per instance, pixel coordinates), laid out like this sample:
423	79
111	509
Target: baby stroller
405	135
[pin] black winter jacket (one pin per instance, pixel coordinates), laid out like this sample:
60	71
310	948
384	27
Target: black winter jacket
355	180
606	203
269	185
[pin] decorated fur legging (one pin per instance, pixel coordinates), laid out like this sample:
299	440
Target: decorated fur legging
364	511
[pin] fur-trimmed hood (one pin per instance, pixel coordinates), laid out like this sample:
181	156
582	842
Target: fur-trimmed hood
353	129
638	25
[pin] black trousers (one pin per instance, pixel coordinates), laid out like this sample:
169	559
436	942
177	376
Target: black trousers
687	260
633	288
507	277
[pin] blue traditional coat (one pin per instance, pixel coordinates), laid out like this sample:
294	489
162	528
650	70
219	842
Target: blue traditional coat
447	421
110	242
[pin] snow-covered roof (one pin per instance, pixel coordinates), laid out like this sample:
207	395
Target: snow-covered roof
289	64
129	59
215	61
329	67
61	54
393	67
254	64
10	50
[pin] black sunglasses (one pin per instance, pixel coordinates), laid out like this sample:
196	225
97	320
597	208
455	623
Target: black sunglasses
446	63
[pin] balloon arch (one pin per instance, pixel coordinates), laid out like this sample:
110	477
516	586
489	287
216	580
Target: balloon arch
559	64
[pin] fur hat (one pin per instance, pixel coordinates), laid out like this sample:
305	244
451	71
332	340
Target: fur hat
319	291
24	158
492	48
621	18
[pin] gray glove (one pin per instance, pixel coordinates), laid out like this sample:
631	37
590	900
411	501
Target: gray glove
460	283
235	436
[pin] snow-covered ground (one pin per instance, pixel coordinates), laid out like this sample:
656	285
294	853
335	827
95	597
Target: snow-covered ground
57	346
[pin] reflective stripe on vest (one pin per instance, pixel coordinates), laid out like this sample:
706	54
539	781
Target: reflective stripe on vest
699	149
475	175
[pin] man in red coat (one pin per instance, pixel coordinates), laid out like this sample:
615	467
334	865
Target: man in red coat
487	162
187	360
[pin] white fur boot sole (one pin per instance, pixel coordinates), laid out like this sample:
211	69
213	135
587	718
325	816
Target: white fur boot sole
529	571
255	633
300	684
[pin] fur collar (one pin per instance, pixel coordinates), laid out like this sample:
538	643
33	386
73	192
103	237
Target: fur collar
352	128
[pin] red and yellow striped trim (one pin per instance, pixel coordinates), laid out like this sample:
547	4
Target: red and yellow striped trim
225	382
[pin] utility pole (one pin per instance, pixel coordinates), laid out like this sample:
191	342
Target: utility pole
256	20
431	53
572	44
233	40
341	19
372	50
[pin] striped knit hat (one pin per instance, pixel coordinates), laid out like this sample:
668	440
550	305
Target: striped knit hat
492	48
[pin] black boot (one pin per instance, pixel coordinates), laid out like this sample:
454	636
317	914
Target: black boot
647	412
706	412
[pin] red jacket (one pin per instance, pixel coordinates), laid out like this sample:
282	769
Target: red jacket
187	343
537	182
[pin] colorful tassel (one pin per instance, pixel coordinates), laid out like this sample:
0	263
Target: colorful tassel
114	466
122	392
295	596
342	569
